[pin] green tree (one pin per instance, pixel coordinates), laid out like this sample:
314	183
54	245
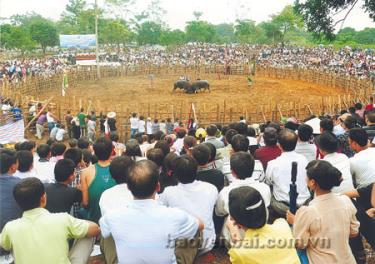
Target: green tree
346	36
44	33
72	11
224	33
19	38
175	37
366	36
246	31
200	31
149	33
321	16
287	21
114	32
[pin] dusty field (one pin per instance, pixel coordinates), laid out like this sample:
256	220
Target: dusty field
137	94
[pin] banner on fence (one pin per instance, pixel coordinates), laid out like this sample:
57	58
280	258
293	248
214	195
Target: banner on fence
12	132
78	41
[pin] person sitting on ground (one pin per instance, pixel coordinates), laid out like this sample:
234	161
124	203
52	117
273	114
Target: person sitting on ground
315	221
211	137
370	125
83	143
43	167
242	166
8	206
25	165
270	151
149	244
166	176
362	165
189	143
54	130
164	146
41	230
249	213
278	174
304	147
326	125
215	161
157	156
133	150
57	152
96	179
61	196
365	204
328	145
206	173
195	197
348	123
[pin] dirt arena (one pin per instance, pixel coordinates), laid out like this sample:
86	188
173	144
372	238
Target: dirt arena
139	94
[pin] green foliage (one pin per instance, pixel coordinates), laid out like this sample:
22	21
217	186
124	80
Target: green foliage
114	32
246	31
149	33
200	31
224	33
44	32
18	37
174	37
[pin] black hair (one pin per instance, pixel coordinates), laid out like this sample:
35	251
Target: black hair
358	106
241	128
25	160
28	193
288	140
114	137
89	157
159	135
352	110
212	151
156	155
143	179
325	175
166	176
185	169
201	154
350	122
7	159
328	142
211	130
359	135
103	148
241	200
83	143
229	135
270	136
163	145
242	163
120	167
43	151
305	132
73	143
190	141
57	149
291	125
251	132
181	133
50	141
74	154
64	168
27	145
327	124
132	149
240	143
275	126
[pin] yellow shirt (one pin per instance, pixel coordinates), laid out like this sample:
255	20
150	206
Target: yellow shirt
41	237
269	244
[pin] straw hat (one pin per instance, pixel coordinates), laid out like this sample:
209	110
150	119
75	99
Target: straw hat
111	115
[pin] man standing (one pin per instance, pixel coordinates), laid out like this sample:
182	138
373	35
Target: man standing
149	244
134	125
68	121
42	237
82	122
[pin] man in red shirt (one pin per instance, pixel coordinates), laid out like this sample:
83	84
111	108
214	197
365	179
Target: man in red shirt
271	151
370	106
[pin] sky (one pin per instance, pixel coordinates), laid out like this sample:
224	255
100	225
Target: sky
180	11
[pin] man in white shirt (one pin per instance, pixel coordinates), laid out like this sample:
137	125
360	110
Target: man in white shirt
60	133
278	174
43	167
141	125
362	165
25	165
304	147
91	124
146	232
242	166
179	143
134	125
328	146
53	133
195	197
148	126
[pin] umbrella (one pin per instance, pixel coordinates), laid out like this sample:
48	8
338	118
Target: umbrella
293	194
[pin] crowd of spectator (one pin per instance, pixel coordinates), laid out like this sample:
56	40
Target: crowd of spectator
175	191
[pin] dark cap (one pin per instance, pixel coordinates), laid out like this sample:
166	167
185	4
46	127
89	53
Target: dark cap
327	142
246	207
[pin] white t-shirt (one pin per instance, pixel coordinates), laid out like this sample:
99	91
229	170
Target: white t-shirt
91	126
146	232
60	134
362	167
134	123
45	171
53	133
149	127
115	198
197	198
141	126
50	119
341	162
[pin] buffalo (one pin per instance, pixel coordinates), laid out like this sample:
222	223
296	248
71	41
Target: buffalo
191	87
